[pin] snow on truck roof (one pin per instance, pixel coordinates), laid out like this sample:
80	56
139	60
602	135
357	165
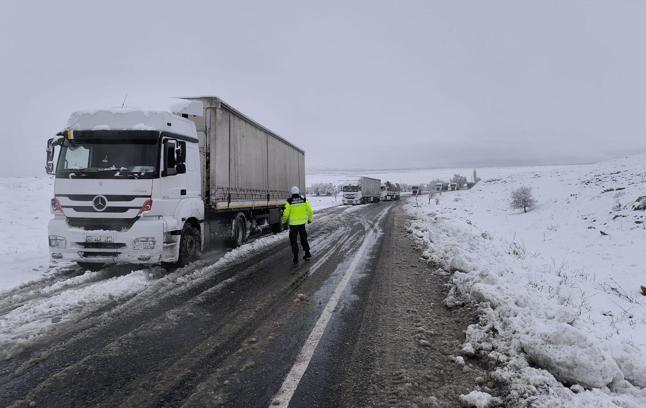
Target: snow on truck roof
159	114
131	119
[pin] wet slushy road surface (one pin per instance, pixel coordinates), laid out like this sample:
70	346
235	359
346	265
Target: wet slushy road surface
361	324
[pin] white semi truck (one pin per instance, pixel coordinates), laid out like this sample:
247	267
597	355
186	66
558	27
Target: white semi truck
149	187
390	191
361	190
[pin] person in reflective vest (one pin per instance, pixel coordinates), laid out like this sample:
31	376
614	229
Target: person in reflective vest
296	214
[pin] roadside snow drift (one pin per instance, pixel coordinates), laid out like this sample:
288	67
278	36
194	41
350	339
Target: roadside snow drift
558	288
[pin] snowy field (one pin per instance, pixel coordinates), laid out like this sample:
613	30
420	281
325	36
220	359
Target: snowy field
414	176
24	213
558	288
320	203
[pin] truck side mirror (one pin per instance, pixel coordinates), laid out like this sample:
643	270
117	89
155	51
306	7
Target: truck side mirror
181	152
49	165
170	158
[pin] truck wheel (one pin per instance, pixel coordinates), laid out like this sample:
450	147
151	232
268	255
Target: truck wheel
276	228
189	245
239	231
89	266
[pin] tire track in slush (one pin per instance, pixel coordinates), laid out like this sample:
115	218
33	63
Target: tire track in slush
149	297
177	381
203	288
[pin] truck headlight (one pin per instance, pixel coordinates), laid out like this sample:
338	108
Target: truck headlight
57	242
144	243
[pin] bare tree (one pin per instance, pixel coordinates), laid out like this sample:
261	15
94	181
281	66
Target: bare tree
522	198
321	189
460	180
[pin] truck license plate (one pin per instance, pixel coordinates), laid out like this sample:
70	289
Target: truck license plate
99	238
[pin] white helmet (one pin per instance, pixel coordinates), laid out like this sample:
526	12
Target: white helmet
296	190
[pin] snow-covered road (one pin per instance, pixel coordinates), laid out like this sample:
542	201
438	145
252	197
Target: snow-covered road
228	330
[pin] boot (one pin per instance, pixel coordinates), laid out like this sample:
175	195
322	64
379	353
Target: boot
307	256
295	260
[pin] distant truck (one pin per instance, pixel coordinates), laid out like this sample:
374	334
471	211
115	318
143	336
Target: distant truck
415	190
362	190
390	191
148	187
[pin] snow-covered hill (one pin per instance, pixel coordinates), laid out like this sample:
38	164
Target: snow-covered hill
559	287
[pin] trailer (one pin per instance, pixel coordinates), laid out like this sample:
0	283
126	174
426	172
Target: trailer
136	186
247	171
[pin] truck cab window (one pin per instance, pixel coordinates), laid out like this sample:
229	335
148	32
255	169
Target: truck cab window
77	157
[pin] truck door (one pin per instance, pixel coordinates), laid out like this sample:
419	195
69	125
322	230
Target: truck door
173	175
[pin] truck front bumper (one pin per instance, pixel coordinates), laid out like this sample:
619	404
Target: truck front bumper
143	243
351	201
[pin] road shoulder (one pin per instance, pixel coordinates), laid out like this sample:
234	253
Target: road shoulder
407	348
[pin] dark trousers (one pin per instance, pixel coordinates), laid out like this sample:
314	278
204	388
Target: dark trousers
294	232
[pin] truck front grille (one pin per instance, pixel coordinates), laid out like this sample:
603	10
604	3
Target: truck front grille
101	245
98	254
109	197
107	224
107	210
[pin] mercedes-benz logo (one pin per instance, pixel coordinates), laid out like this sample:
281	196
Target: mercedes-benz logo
99	203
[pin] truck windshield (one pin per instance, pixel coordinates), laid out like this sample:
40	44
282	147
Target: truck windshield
351	189
110	154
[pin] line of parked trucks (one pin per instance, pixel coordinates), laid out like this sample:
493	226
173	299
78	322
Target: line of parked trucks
364	190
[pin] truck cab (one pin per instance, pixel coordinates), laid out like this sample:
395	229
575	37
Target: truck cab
127	189
352	194
385	194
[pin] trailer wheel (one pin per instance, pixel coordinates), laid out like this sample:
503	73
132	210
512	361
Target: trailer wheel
276	228
189	245
239	233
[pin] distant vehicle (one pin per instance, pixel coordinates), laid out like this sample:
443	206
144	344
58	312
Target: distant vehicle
439	186
453	186
397	192
362	190
390	191
416	190
146	187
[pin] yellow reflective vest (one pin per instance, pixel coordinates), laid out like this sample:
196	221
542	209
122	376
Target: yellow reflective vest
298	211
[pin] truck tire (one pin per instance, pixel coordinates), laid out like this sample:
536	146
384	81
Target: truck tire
239	230
89	266
189	245
276	228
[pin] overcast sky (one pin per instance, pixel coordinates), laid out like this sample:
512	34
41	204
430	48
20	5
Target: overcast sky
374	84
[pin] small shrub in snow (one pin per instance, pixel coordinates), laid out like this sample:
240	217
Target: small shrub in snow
522	198
517	249
640	204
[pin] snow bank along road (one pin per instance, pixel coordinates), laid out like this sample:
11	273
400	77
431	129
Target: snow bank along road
562	314
362	324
